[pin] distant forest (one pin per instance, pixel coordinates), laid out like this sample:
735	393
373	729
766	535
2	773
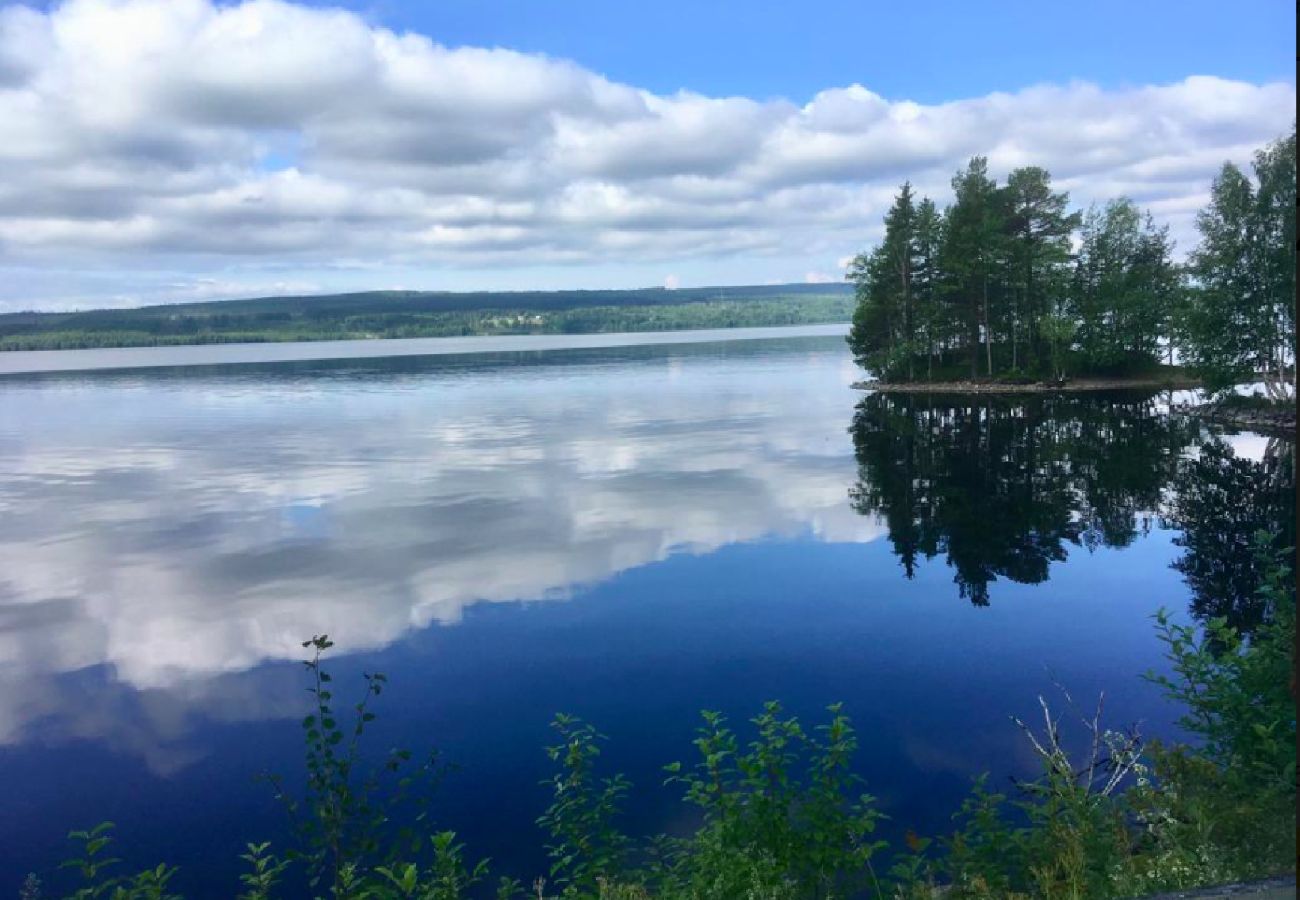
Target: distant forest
408	314
1009	283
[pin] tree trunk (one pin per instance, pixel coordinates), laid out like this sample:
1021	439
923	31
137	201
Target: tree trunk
988	329
1015	339
909	327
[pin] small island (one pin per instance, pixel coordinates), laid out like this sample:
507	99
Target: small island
1008	291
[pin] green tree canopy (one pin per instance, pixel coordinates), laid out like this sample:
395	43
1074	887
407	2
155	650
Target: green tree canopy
1125	284
1240	325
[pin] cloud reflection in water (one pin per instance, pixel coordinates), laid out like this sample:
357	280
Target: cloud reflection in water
179	528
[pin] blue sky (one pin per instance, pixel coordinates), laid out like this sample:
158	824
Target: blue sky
924	50
192	149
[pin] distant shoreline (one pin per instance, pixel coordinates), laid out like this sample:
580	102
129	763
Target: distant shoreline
399	315
1074	385
33	362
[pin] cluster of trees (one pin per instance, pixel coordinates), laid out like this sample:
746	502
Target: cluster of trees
1008	281
1240	323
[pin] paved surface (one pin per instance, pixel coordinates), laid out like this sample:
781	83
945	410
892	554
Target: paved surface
1270	889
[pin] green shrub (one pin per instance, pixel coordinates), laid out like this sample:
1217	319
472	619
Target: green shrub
783	816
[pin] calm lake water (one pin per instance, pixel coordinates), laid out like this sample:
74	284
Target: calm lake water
628	534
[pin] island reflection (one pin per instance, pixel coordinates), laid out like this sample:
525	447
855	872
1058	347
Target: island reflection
1003	487
166	535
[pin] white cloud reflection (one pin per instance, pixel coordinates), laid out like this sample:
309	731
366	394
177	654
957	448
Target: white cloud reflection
176	531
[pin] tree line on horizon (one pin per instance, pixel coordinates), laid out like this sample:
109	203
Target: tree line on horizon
409	314
1007	282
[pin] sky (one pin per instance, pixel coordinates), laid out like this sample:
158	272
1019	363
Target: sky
170	150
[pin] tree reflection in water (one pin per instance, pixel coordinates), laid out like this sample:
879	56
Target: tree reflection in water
1003	486
1220	503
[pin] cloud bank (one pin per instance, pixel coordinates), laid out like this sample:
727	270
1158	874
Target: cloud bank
182	136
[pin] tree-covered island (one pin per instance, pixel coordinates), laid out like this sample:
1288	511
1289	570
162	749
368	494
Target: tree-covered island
1008	287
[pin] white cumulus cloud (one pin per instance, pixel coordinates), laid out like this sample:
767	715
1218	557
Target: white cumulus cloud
218	140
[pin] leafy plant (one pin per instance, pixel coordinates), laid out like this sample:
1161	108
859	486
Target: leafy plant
586	846
265	870
783	816
92	865
1226	806
347	820
779	816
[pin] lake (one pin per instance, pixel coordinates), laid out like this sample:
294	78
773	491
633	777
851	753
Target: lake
626	533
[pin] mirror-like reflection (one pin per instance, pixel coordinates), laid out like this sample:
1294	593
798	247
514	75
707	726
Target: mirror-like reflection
1224	505
1004	487
187	523
629	534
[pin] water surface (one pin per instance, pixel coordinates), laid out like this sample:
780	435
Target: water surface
629	534
27	361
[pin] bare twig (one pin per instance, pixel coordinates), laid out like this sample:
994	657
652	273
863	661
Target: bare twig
1110	757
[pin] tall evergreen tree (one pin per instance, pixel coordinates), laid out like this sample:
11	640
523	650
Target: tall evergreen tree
886	334
900	258
926	281
971	254
1039	229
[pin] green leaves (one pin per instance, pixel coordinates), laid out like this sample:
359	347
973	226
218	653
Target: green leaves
1240	325
149	884
586	845
1225	808
354	825
264	872
783	815
1125	288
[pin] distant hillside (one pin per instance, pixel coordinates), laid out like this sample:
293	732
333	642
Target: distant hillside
399	314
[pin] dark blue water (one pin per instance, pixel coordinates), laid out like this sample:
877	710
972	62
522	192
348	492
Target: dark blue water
626	534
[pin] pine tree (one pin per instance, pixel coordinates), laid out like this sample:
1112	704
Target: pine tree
885	336
1038	230
971	254
933	325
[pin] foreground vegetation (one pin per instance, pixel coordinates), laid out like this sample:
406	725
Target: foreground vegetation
412	314
1008	283
783	816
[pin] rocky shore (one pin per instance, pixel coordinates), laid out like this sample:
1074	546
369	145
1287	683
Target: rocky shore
1279	419
1153	382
